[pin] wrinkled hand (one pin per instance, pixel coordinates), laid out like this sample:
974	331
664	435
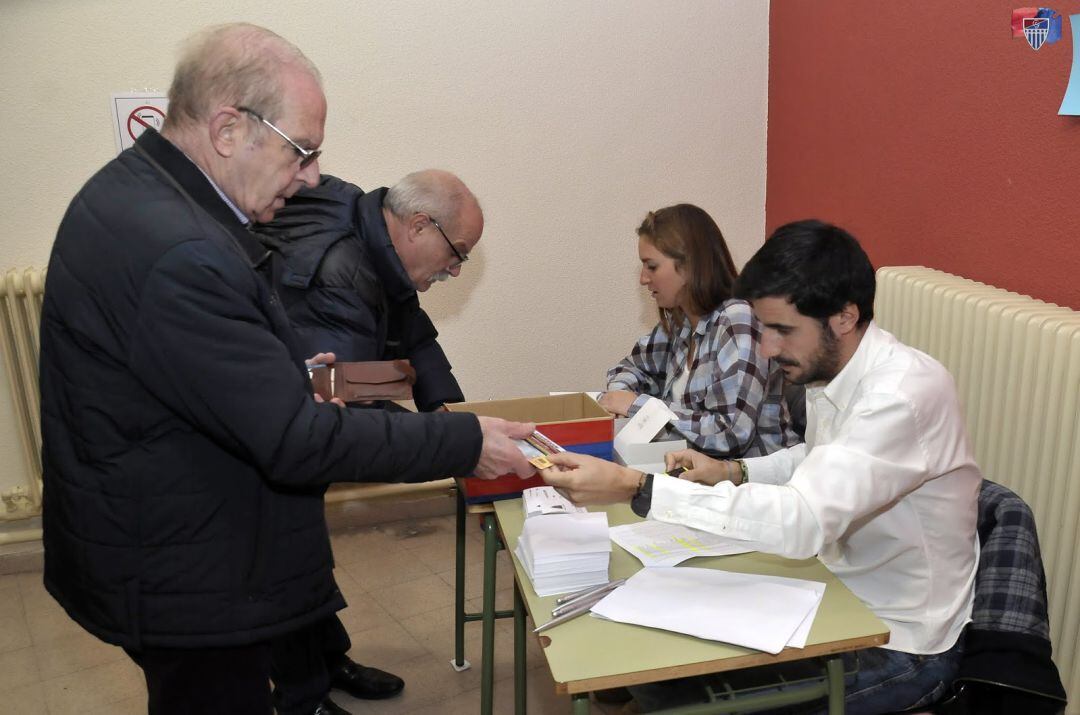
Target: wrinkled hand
587	480
701	468
321	359
324	359
618	402
500	455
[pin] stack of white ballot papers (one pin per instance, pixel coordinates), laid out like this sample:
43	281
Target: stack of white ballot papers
762	612
565	552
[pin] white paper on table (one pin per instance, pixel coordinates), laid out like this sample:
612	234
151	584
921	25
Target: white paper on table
657	543
565	552
742	609
545	500
802	633
566	534
645	424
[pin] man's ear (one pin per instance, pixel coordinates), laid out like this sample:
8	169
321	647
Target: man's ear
846	321
228	131
416	224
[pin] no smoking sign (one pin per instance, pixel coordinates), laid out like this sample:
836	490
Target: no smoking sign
134	113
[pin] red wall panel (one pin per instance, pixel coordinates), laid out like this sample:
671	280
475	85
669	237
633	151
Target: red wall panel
931	134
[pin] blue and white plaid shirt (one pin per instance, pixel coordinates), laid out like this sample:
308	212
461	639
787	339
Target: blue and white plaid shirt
733	403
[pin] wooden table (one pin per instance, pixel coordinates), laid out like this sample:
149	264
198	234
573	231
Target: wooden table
587	653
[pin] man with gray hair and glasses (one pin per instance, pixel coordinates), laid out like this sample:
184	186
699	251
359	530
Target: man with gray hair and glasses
184	454
354	262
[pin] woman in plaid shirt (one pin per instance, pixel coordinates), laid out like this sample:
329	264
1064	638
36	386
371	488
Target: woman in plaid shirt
702	359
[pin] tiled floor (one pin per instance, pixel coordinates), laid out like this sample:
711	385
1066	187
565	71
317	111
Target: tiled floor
398	580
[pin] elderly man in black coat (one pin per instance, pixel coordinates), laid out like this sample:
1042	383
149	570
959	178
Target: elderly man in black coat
184	456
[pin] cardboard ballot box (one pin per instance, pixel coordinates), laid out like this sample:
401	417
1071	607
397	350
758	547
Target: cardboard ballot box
574	421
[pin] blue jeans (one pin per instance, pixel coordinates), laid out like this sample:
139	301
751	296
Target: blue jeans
886	681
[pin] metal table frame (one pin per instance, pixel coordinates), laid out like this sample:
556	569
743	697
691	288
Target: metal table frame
488	614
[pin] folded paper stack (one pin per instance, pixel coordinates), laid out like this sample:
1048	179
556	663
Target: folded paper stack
565	552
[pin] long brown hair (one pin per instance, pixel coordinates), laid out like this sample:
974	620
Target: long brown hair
689	236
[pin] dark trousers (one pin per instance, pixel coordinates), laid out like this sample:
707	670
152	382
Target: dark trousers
207	681
302	663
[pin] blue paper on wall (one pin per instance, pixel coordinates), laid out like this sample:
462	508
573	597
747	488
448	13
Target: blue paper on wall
1070	104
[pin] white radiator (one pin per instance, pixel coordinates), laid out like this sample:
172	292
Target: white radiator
1016	361
20	315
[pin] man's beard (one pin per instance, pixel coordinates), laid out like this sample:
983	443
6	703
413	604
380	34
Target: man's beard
824	365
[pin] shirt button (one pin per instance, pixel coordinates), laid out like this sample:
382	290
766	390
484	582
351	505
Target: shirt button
669	514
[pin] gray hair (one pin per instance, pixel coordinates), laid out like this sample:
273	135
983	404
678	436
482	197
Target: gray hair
236	65
439	194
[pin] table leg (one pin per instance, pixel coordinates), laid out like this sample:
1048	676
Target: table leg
581	703
487	671
459	663
519	652
835	669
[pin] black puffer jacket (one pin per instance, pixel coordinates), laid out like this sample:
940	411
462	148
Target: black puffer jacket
346	291
184	456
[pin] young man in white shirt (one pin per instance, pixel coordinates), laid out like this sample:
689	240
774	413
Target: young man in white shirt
884	490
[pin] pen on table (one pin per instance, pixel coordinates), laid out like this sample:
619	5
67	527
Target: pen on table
583	592
593	595
577	609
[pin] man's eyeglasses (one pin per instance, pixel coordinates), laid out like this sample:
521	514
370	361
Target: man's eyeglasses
306	155
461	259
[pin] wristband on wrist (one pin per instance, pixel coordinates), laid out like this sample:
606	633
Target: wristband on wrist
744	473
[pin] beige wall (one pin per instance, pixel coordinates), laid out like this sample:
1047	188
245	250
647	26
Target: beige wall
569	119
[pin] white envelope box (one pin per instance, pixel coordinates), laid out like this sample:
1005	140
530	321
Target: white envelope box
648	457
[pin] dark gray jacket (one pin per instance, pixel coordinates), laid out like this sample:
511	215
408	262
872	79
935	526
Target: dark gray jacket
346	291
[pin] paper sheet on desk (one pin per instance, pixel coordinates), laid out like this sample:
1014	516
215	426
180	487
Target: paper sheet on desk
656	543
538	501
802	633
742	609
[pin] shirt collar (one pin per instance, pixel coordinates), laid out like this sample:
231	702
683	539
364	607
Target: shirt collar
841	389
228	202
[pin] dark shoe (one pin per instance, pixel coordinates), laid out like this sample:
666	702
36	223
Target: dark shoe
366	683
329	707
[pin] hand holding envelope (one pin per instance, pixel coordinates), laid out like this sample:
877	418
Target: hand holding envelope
499	454
586	480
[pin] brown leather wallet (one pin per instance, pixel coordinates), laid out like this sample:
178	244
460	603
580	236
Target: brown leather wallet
364	381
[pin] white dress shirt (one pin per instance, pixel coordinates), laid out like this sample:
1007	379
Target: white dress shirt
885	491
